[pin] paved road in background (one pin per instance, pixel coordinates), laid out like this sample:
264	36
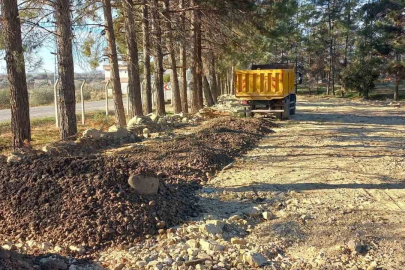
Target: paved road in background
47	111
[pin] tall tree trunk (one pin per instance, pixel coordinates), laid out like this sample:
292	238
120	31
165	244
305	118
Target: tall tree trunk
194	59
157	33
134	82
232	84
212	75
183	54
207	92
219	84
330	75
396	90
113	58
348	10
172	53
199	61
67	99
147	94
20	112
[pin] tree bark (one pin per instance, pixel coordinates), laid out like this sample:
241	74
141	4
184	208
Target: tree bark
134	82
212	75
157	34
200	66
207	92
194	60
147	94
113	58
183	54
66	87
20	113
396	90
219	83
172	54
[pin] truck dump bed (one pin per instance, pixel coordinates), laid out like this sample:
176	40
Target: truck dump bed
266	84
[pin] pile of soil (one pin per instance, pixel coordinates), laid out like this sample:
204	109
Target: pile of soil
196	156
87	201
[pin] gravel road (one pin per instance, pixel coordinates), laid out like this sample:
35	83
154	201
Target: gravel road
46	111
340	166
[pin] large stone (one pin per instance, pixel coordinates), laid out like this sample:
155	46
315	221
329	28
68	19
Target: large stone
14	158
119	133
268	215
113	129
252	211
132	123
254	259
238	241
92	133
211	228
144	185
146	133
354	246
154	117
209	245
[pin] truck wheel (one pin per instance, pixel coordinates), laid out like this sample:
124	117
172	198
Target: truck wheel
293	102
286	108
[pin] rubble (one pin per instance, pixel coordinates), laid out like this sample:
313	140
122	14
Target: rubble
85	203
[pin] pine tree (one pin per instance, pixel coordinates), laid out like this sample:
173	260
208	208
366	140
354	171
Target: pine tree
66	86
113	58
20	113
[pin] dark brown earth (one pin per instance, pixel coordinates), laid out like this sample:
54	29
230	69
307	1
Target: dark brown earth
86	200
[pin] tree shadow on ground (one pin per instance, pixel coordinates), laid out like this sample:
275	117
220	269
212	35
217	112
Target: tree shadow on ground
392	119
14	260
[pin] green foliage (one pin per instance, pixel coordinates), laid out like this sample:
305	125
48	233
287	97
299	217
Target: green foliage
166	78
88	43
397	71
360	76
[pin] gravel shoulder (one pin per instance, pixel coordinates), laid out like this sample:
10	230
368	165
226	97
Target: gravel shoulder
339	167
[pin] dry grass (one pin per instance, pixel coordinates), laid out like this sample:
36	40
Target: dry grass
44	130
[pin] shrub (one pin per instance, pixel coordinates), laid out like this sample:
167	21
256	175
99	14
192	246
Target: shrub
42	96
360	76
4	98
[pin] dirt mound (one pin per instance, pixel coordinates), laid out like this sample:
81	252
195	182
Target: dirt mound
214	146
86	201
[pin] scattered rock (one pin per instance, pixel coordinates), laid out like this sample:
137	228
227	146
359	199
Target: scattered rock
92	133
268	215
238	241
14	158
254	259
354	246
146	133
208	245
252	211
144	185
212	227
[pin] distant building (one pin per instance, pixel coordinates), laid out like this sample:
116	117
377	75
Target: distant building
123	77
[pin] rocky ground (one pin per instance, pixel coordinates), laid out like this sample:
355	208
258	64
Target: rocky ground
322	191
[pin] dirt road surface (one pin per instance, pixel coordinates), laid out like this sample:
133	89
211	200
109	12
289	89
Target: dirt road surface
338	171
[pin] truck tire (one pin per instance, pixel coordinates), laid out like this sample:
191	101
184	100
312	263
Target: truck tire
286	108
293	100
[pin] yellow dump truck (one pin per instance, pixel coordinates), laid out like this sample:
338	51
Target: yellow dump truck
267	89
